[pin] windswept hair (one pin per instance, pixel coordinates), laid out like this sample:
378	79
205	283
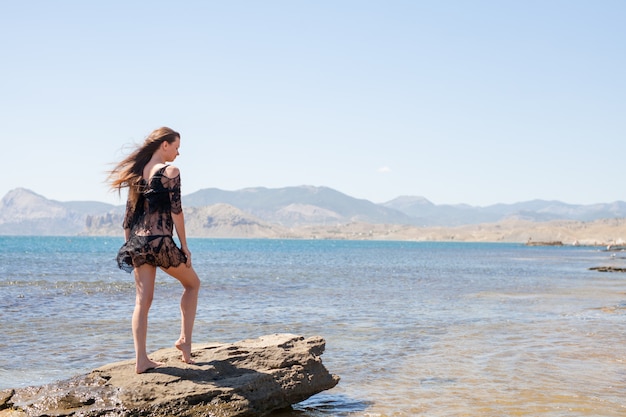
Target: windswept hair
129	171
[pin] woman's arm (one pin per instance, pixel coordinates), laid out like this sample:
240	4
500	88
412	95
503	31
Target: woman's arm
128	215
179	224
173	175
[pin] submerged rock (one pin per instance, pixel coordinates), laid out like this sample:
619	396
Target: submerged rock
247	378
607	269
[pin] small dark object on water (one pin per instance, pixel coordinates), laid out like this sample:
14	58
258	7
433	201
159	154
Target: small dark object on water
607	269
615	248
550	243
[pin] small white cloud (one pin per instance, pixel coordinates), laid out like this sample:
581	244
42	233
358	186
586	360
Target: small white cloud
384	170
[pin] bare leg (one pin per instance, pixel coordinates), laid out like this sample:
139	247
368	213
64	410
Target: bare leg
188	304
144	286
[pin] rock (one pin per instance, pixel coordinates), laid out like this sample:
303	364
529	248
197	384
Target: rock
247	378
5	396
547	243
607	269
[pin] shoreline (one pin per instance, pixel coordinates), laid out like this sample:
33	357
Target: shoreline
598	233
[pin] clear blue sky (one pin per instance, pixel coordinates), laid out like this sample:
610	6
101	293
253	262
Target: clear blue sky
475	102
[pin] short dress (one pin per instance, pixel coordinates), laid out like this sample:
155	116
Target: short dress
151	226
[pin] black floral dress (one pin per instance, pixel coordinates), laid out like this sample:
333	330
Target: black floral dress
151	226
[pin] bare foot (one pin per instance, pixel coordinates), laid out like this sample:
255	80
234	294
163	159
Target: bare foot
146	365
185	349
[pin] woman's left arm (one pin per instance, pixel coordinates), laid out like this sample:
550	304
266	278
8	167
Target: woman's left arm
179	224
177	209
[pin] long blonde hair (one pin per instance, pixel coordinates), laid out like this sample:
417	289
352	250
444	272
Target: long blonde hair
129	172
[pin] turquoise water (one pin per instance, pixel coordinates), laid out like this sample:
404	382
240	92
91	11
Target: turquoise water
412	328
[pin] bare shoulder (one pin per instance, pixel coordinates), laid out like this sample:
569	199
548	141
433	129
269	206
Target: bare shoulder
171	171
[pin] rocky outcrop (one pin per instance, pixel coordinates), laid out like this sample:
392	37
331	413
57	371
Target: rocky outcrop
544	243
248	378
607	269
23	212
224	220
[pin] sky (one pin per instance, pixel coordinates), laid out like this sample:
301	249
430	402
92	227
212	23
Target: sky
461	102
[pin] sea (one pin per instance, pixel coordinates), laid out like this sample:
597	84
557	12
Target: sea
411	328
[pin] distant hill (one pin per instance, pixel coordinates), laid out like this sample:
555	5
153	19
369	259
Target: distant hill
217	220
425	213
297	206
292	212
23	212
224	220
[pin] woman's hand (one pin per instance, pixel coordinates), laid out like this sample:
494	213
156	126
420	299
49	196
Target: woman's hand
188	255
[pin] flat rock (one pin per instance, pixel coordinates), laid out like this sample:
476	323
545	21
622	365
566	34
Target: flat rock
248	378
607	269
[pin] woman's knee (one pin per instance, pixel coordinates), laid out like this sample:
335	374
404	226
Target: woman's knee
193	283
186	276
143	301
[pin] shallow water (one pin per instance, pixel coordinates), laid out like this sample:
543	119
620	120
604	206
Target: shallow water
433	329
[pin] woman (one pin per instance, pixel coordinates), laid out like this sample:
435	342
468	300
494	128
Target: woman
153	210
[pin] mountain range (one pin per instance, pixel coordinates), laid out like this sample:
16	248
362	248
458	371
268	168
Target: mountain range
266	212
